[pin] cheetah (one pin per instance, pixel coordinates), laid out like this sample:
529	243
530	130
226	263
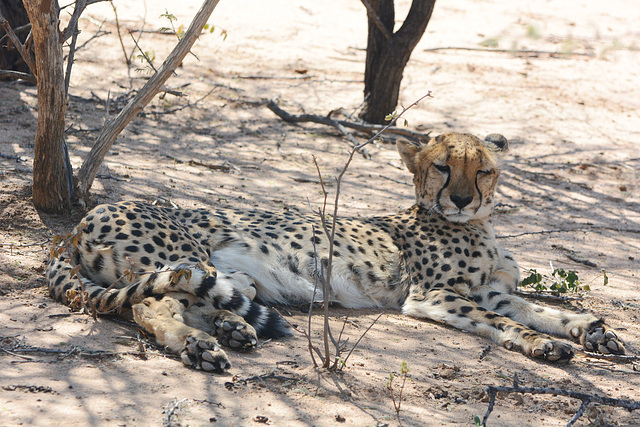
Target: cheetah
197	279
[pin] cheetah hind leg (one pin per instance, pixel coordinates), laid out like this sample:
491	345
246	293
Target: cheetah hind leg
163	318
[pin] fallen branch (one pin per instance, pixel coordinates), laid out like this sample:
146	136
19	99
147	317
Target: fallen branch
492	391
171	411
512	51
291	118
570	230
341	125
17	75
12	157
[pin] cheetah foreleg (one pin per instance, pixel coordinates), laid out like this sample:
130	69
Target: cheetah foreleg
584	328
447	306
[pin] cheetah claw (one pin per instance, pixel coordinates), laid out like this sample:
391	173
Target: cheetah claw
204	354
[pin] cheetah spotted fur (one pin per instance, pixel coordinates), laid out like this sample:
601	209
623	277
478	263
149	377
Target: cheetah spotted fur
437	260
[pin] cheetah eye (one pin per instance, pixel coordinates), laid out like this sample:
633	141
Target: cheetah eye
442	168
484	172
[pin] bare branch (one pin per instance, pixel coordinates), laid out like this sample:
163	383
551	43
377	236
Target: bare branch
310	118
342	124
586	398
18	76
512	51
19	46
89	168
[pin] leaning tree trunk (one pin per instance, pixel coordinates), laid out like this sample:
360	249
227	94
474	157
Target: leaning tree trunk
388	54
50	189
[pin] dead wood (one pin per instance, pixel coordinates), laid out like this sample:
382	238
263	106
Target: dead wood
586	398
552	54
341	125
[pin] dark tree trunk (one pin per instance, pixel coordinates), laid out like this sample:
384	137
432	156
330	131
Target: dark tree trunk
388	54
14	12
50	188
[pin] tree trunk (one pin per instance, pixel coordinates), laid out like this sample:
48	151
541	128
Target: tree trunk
388	54
50	189
14	12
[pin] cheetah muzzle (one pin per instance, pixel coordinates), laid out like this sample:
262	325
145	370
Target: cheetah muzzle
199	279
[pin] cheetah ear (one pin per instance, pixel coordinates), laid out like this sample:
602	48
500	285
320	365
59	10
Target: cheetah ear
408	152
496	143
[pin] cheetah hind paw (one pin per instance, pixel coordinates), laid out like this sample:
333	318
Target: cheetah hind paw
233	331
204	354
602	339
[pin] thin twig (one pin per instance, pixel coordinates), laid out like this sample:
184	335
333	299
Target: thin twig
512	51
124	51
570	230
144	54
12	157
330	234
72	29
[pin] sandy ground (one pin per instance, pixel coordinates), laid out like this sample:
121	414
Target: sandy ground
572	173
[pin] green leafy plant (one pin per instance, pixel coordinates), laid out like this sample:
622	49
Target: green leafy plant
397	400
560	281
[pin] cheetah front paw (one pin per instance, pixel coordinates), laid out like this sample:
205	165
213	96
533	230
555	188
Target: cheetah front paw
233	331
549	349
204	354
602	339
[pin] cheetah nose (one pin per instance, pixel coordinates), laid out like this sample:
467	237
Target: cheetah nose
460	202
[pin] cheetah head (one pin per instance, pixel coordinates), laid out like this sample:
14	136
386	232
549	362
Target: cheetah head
455	174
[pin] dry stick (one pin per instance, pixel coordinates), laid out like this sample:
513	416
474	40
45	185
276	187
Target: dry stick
19	46
124	51
571	230
310	118
112	129
144	54
342	124
331	235
72	29
514	51
492	391
18	76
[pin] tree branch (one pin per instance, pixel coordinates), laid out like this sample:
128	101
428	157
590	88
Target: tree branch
18	76
586	398
112	129
19	46
342	124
